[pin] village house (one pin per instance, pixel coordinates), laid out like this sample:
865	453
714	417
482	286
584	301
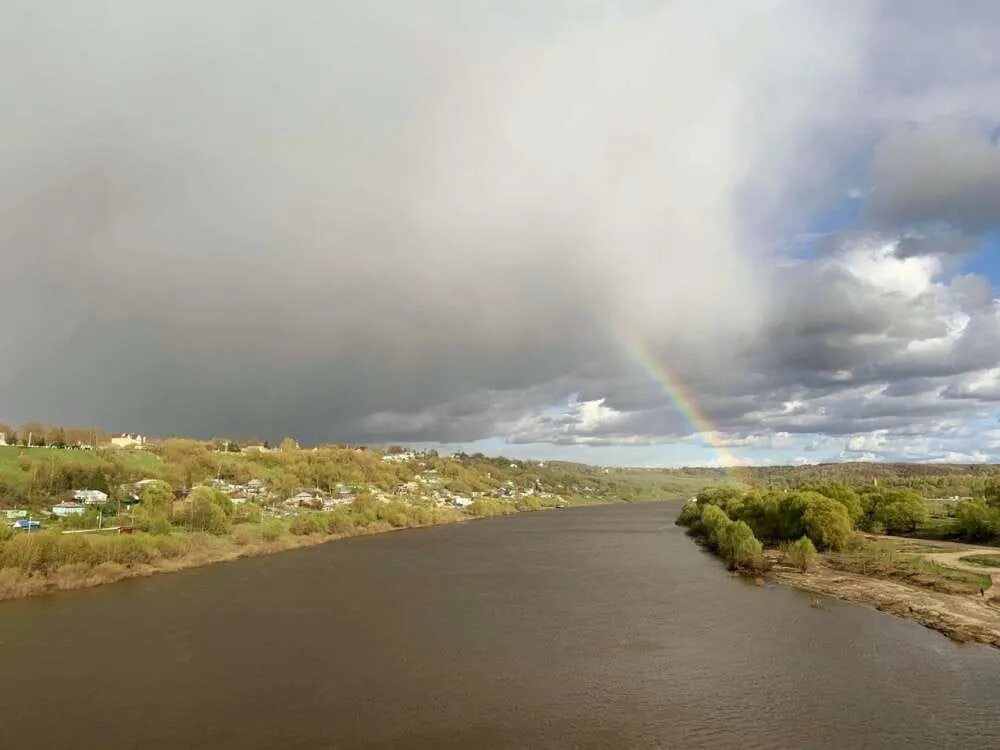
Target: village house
255	487
399	458
126	440
68	508
90	497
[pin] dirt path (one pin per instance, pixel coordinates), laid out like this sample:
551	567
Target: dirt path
953	560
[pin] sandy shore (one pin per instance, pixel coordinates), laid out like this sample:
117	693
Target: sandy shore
962	617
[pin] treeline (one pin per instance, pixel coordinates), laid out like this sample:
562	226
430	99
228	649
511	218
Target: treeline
40	434
928	480
736	523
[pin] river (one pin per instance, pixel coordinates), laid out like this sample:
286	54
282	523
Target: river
589	627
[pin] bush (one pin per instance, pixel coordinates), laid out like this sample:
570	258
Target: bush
152	521
530	502
487	508
271	530
690	515
394	513
201	514
308	523
801	554
340	522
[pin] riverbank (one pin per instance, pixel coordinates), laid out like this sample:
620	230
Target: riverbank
936	602
183	552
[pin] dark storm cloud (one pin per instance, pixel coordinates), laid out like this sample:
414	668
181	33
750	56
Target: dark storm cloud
338	222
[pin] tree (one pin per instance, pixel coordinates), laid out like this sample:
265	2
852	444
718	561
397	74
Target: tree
364	502
157	497
58	438
203	512
739	546
801	554
845	496
827	523
900	510
991	492
288	444
976	520
713	520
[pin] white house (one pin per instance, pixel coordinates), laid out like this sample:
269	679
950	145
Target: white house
126	440
3	439
68	508
90	497
461	502
399	458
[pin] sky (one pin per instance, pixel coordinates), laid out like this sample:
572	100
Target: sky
658	234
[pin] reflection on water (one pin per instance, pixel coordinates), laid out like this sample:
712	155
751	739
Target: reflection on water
596	627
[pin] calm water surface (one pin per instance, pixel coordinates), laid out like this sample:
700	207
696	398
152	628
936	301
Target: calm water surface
592	627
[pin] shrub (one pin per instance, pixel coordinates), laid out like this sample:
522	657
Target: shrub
271	530
488	508
201	514
801	554
340	522
308	523
690	515
394	513
530	502
152	521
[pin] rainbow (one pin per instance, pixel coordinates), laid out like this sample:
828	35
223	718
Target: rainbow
681	397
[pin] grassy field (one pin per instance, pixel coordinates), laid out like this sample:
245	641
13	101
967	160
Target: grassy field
15	461
902	559
986	561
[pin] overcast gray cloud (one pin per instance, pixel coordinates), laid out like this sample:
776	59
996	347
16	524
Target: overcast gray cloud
474	219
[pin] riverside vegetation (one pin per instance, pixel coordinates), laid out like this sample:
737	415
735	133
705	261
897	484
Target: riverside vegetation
180	514
877	546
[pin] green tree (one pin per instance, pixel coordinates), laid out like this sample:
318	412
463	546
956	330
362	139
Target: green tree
900	510
846	496
713	521
826	522
739	546
991	492
158	498
976	520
